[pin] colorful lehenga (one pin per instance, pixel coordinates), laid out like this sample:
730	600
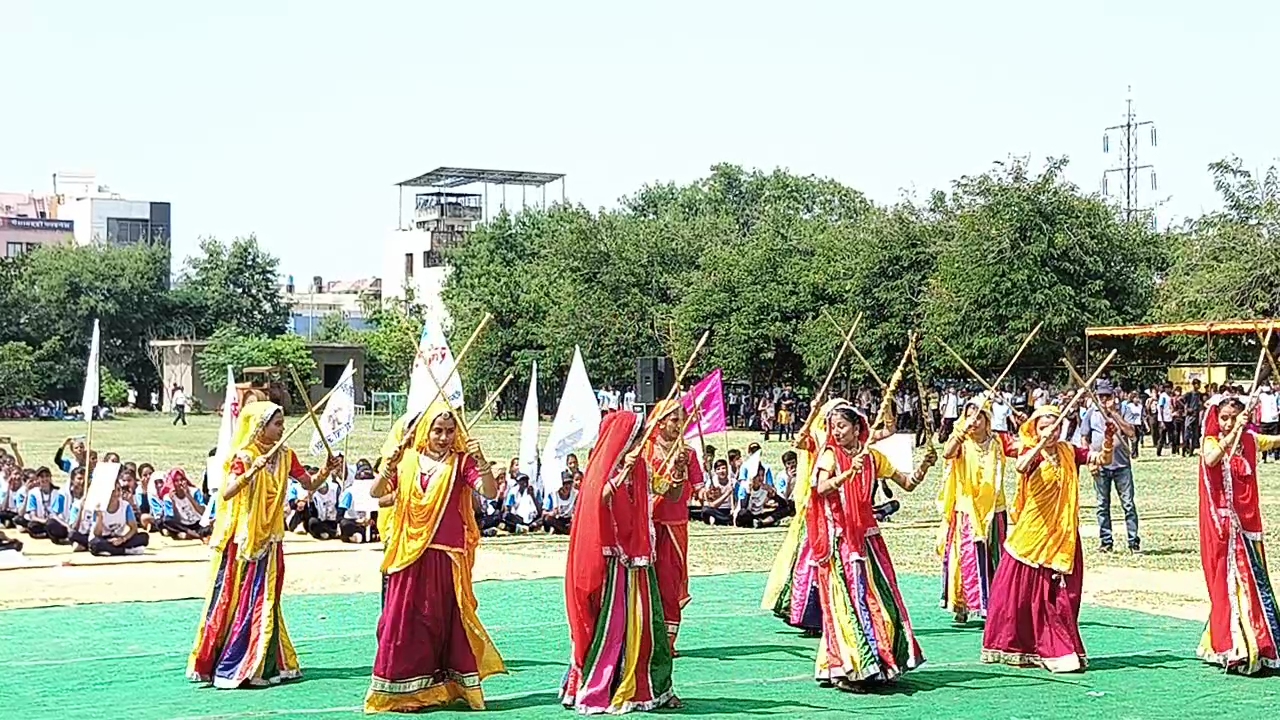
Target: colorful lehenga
1244	620
671	527
866	631
1033	618
974	524
432	649
621	657
242	637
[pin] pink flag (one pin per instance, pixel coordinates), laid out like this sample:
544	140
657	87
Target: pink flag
709	395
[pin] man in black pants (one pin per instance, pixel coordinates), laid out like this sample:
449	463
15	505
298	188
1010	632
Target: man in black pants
1193	407
717	506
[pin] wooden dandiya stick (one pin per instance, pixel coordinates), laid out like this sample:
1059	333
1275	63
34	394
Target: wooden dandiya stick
816	405
966	366
311	413
1080	393
489	401
856	352
680	448
1007	368
457	362
887	400
318	406
1253	394
1271	359
1093	395
926	417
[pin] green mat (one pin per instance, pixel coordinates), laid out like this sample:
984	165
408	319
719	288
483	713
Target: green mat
126	662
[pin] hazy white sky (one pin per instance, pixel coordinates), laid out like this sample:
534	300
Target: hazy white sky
293	120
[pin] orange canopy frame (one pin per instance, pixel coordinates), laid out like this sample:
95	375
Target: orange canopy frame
1224	327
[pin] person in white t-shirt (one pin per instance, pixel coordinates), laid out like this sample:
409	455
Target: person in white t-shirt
323	523
115	529
522	508
557	515
179	399
950	412
1269	416
629	400
717	504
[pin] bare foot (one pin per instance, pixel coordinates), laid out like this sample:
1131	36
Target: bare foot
674	703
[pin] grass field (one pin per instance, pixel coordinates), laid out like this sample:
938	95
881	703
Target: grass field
127	661
1166	487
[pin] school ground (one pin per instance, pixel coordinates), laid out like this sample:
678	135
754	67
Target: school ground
83	636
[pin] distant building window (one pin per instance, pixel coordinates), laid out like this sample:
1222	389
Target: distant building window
126	231
14	249
332	374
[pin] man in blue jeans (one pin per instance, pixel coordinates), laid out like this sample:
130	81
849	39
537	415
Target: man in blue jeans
1118	473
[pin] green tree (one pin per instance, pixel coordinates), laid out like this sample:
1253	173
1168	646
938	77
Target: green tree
231	347
236	284
1017	249
19	377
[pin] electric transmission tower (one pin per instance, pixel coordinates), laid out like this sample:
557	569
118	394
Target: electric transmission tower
1129	168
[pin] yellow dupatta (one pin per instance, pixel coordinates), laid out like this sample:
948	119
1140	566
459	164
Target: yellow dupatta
1047	504
255	516
417	516
974	484
785	561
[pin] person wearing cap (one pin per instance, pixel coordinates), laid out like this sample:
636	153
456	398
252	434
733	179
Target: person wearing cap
1118	473
1034	615
972	499
557	515
522	508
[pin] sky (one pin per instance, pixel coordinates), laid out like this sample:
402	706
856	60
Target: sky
294	120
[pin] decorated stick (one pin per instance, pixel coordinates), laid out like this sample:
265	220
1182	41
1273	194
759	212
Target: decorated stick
887	401
1080	393
679	449
489	401
302	391
816	405
925	416
1253	393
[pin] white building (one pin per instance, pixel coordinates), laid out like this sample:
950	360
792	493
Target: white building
310	304
413	252
100	215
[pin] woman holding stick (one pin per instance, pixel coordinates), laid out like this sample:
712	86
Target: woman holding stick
676	476
1034	611
972	501
621	658
432	649
1243	630
866	634
242	638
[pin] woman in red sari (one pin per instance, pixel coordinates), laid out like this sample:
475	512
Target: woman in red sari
1243	627
673	484
621	659
432	649
866	634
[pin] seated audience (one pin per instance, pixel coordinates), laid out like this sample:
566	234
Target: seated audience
183	508
323	523
64	508
39	505
717	507
557	515
522	508
115	529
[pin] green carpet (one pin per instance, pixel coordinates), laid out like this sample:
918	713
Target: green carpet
126	662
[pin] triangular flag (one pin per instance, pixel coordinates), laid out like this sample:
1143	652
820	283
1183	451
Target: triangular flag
340	414
528	455
576	427
434	357
89	400
226	432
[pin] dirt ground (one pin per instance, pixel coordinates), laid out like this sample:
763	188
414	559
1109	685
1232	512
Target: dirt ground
175	570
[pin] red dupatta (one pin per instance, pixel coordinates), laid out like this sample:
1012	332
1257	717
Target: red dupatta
851	504
1231	486
619	527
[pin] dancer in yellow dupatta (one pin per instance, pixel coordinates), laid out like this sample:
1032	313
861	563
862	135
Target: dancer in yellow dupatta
432	649
972	502
242	638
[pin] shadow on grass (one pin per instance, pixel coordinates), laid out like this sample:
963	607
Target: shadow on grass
524	702
747	706
729	652
336	673
521	664
1153	660
926	680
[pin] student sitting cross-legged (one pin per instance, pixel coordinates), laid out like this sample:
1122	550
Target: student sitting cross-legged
64	507
323	524
356	526
115	529
39	504
557	515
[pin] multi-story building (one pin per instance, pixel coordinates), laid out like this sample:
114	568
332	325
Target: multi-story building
413	253
29	221
309	305
100	215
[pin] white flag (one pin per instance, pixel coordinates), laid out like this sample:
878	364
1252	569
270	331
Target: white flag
576	427
529	430
89	400
226	433
435	357
340	414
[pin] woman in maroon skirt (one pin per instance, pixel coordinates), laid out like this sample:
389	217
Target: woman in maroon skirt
1034	611
432	649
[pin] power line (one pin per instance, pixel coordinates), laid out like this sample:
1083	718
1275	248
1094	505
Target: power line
1129	168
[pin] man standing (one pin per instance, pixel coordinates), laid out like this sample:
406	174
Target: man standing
1165	434
1269	416
950	412
179	405
1118	473
1193	419
1132	412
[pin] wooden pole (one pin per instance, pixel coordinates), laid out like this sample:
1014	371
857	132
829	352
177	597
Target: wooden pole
854	348
816	404
1080	393
926	418
311	413
1253	392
